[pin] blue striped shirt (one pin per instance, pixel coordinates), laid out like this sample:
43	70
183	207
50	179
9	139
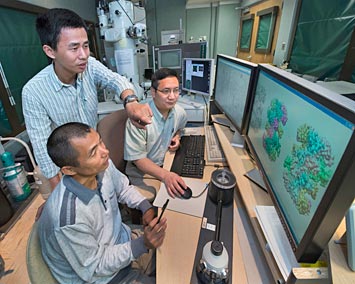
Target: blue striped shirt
48	103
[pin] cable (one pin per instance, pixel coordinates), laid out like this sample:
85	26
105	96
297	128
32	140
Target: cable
197	196
125	12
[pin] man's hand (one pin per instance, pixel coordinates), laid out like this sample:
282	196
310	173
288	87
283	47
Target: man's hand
175	143
39	211
154	233
139	114
55	180
174	184
148	216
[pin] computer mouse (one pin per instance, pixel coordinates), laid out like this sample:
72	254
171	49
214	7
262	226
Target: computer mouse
187	193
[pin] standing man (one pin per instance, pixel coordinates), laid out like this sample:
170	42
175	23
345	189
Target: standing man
66	90
145	149
82	236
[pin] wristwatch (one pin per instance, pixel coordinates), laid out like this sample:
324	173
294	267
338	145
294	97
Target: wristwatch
129	99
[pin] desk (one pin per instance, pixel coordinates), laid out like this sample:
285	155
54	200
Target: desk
175	258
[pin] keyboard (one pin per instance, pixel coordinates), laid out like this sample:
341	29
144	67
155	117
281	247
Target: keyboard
189	158
213	147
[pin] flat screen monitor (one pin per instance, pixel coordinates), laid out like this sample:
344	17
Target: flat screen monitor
302	138
232	92
197	75
169	58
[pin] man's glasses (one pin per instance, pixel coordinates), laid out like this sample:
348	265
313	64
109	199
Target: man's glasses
167	92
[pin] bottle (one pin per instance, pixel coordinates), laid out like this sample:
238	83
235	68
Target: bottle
15	178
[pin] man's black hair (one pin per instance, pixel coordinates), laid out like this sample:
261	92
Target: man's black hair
59	145
161	74
50	24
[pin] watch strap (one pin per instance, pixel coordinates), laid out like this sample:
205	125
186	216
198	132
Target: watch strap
129	99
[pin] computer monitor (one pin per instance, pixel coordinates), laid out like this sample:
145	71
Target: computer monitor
232	92
171	55
302	138
170	58
197	75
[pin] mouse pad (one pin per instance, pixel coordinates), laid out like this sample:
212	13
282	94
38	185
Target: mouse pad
192	206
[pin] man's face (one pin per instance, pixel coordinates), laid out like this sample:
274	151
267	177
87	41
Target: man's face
93	154
72	51
166	101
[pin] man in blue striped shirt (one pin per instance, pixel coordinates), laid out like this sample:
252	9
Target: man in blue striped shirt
66	90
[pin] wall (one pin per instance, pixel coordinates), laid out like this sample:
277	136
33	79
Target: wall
162	15
284	39
219	23
85	8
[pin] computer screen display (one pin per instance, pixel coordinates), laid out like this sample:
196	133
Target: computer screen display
197	75
169	58
302	138
233	86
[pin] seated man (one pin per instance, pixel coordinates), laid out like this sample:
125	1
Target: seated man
81	232
145	148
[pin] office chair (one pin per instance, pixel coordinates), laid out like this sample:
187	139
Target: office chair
112	130
38	270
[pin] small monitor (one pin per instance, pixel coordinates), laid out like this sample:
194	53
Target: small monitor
169	58
197	74
232	92
302	138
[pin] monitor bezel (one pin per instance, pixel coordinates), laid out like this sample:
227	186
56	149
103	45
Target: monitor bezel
211	64
169	51
247	64
338	196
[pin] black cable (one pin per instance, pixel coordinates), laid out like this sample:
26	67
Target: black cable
197	196
125	12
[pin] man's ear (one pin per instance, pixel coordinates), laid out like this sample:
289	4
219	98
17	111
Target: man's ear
68	170
48	51
152	92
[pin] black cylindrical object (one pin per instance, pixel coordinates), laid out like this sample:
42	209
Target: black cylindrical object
222	182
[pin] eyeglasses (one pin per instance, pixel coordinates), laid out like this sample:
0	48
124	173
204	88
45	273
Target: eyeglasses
167	92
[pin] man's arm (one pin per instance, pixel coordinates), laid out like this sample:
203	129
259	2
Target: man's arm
139	114
38	127
174	184
54	180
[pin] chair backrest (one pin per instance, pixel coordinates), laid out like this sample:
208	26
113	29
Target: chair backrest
112	129
38	270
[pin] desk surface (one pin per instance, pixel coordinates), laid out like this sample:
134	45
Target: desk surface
175	258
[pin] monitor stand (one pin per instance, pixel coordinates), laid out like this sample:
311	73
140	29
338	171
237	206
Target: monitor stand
237	140
222	121
255	177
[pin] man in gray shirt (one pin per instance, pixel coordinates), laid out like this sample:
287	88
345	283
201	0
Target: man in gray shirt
81	232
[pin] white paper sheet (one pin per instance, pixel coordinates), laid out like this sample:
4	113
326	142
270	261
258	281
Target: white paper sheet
277	239
192	206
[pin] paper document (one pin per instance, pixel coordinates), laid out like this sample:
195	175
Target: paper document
192	206
277	239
